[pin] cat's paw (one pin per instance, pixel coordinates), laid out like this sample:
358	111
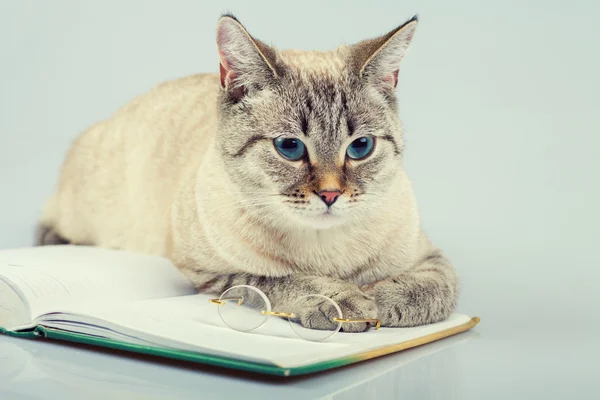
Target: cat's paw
317	313
410	303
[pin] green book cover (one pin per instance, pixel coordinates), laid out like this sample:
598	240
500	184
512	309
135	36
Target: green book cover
41	332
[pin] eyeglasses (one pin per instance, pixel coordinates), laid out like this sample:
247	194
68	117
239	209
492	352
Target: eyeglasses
239	304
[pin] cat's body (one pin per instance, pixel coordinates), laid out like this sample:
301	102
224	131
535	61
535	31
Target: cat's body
122	176
189	171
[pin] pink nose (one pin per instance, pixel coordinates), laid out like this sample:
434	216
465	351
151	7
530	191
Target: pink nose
329	196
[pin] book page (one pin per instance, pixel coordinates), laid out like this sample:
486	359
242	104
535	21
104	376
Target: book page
13	308
275	340
192	323
54	276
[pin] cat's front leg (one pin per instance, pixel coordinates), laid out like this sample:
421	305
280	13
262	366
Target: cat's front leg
422	295
286	295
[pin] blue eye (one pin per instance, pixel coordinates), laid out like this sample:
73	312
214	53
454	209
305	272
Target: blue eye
290	148
361	148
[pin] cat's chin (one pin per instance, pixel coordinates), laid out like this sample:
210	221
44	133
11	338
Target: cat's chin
324	221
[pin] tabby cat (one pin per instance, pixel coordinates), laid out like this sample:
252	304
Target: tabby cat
284	171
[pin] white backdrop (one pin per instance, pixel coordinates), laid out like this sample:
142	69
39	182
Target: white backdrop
497	102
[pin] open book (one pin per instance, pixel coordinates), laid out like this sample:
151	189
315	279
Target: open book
143	304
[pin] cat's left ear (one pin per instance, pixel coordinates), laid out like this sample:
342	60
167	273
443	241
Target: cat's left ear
378	60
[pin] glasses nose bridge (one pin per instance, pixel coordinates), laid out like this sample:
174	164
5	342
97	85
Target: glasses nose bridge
279	314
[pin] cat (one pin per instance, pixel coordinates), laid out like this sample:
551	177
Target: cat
283	171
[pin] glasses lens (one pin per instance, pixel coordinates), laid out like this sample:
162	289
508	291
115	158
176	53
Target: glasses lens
242	307
324	310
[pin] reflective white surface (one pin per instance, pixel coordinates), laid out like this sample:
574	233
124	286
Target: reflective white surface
474	365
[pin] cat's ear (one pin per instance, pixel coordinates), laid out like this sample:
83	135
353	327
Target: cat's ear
378	60
245	63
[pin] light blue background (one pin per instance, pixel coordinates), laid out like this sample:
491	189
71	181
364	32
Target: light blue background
499	102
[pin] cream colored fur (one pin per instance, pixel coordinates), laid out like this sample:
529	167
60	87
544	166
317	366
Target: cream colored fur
151	179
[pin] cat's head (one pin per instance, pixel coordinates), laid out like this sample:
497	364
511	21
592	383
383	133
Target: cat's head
310	138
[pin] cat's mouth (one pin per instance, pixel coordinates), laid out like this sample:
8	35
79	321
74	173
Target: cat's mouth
320	216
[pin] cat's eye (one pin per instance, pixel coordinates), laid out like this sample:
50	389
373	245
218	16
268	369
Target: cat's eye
361	148
290	148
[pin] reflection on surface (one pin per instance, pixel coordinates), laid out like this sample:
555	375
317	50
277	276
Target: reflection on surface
428	372
33	369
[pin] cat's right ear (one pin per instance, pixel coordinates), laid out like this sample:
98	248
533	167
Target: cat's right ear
246	63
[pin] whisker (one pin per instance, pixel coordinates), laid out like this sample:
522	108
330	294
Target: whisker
212	195
234	206
238	201
240	204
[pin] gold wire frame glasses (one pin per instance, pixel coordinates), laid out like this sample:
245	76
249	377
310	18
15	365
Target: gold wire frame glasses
239	304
